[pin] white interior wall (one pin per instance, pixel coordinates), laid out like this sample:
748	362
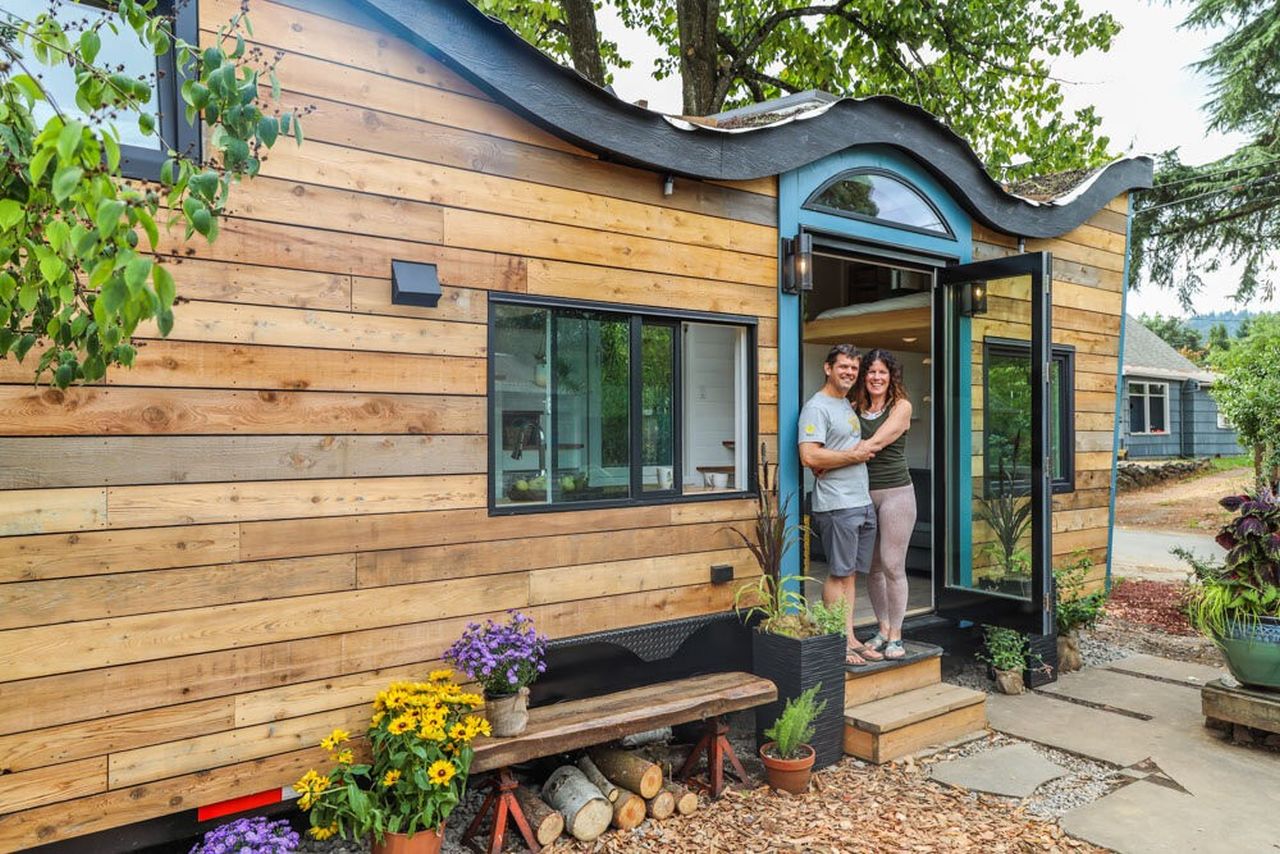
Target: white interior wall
709	404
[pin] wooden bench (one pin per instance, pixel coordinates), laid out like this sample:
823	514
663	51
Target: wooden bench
575	724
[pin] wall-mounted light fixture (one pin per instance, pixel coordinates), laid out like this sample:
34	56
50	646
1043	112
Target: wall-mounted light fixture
414	284
797	264
973	298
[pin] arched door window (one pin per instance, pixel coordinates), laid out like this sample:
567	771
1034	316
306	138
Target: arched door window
879	196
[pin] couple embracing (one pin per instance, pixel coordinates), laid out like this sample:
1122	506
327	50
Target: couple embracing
853	435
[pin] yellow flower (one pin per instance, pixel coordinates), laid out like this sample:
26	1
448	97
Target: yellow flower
475	701
458	732
391	778
441	772
377	719
338	736
431	733
440	675
401	725
324	832
477	726
346	757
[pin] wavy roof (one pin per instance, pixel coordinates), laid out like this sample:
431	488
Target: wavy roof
563	102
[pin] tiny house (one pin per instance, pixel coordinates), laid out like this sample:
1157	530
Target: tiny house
493	338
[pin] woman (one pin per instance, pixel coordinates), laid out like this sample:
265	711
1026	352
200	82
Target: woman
880	399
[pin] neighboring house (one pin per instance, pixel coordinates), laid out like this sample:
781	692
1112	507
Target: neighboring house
486	292
1167	410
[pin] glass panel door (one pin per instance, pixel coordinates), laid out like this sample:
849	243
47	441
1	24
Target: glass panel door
993	550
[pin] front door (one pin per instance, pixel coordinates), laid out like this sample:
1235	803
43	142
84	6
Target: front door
993	520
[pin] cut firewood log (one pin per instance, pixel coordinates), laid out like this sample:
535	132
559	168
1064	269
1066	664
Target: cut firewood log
587	813
686	801
600	781
661	805
628	810
629	770
547	823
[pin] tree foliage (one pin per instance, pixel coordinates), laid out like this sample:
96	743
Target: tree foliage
1197	218
78	243
1248	391
1175	332
983	68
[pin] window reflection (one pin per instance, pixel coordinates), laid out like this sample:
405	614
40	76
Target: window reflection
879	196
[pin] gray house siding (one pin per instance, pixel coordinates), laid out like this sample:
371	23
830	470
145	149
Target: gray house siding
1168	444
1208	440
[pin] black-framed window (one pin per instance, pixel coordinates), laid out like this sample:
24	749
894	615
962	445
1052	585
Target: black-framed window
1006	401
595	405
141	156
1148	408
880	196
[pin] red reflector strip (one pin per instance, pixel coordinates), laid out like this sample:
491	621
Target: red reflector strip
235	805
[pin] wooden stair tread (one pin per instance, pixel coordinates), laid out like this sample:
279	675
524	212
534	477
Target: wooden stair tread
916	651
909	707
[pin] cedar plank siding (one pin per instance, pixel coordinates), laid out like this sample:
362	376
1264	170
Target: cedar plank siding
1088	283
211	560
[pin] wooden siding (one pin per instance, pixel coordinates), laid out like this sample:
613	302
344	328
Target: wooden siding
1088	281
211	560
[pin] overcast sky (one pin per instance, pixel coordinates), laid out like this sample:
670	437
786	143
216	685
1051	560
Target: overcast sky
1148	97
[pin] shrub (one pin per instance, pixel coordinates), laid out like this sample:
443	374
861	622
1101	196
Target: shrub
794	726
1076	609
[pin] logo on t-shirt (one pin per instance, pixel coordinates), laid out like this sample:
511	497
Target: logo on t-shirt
810	429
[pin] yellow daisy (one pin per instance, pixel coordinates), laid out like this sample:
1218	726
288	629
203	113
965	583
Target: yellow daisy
346	757
443	675
401	725
391	778
441	772
338	736
324	832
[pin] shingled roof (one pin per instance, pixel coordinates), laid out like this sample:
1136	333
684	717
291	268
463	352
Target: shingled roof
1146	354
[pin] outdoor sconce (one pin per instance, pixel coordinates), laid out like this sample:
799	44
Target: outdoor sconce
797	264
973	298
414	284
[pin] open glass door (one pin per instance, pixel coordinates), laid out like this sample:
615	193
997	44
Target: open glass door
993	549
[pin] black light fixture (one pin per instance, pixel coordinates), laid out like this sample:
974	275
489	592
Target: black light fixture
797	264
973	298
413	283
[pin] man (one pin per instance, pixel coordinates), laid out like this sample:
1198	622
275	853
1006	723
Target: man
843	515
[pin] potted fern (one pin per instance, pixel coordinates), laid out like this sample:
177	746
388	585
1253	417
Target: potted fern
794	645
788	757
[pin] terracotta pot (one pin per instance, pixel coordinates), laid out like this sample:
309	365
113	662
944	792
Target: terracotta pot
508	714
789	775
422	842
1010	681
1069	657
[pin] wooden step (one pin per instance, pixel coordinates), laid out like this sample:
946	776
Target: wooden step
886	729
860	687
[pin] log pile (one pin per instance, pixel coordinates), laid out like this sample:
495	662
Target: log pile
605	788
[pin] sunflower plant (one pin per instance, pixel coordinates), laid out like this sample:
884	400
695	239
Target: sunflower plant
420	754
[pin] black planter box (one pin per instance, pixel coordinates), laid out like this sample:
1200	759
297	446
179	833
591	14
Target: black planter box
795	666
1046	647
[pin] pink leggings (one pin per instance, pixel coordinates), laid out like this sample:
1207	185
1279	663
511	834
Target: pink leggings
887	583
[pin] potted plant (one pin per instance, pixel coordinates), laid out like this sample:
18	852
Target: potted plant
1074	609
255	835
1236	603
788	757
789	647
505	658
420	746
1007	653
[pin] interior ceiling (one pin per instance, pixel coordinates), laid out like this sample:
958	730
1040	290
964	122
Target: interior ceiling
906	329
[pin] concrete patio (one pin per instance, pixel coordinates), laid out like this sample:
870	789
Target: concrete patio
1190	790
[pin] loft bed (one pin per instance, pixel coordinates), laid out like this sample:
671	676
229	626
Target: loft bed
896	323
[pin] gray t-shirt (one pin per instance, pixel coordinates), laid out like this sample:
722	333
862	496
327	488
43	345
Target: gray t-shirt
831	422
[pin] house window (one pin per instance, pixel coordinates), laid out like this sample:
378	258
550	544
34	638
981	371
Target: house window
591	405
879	196
1223	424
141	155
1006	459
1148	408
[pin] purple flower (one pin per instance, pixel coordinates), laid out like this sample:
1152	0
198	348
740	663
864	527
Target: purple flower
502	657
250	836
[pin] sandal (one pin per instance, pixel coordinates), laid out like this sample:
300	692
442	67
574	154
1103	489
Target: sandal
866	653
893	650
853	659
876	642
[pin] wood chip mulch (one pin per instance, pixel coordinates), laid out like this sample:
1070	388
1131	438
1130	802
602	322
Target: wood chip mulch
1158	604
849	808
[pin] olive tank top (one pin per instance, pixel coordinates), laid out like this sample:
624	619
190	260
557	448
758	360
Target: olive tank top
888	468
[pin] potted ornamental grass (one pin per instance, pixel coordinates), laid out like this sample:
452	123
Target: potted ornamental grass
794	645
419	744
788	756
1074	609
505	658
1236	602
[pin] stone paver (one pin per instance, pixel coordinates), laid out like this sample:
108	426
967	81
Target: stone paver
1167	668
1131	693
1105	736
1016	771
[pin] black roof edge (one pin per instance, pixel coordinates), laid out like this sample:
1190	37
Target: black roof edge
566	104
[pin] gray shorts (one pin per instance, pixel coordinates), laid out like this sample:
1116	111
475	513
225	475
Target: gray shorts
848	538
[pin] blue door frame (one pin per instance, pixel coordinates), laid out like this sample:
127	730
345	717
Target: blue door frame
794	188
